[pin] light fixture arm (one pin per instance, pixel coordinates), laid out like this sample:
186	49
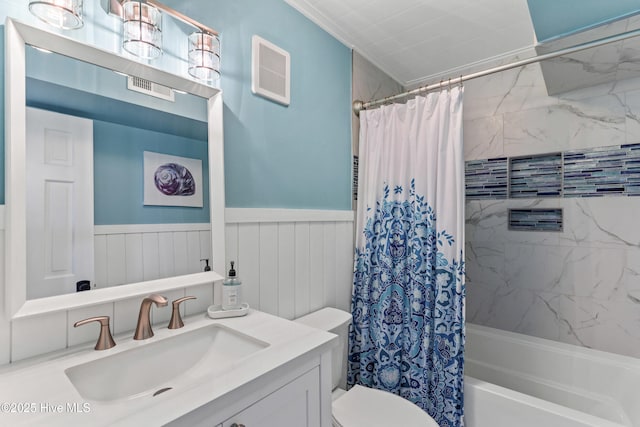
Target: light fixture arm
115	8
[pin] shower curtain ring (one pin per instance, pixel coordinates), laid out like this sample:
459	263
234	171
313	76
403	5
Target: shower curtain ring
449	83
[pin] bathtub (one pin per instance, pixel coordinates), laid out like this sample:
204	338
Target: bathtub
518	380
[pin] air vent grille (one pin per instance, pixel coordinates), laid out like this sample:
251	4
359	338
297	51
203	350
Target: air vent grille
148	87
270	71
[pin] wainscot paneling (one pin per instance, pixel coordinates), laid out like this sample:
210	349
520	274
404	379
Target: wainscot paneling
139	252
292	262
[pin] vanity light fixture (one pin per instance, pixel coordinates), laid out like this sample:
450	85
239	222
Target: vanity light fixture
64	14
142	29
204	55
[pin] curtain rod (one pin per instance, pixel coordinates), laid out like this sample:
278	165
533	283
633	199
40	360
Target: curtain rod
359	105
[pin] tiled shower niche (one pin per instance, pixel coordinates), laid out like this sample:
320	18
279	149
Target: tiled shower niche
535	219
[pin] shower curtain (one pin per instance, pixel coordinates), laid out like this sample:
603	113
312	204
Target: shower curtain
407	335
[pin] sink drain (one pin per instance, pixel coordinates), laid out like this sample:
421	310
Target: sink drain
162	390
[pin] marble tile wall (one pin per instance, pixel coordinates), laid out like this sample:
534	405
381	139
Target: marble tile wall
579	285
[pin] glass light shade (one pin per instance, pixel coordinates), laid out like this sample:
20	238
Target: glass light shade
204	56
142	29
65	14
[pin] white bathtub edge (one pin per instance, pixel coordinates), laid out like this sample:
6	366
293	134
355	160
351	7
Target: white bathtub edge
553	408
556	346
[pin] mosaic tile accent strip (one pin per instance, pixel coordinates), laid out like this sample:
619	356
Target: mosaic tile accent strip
355	178
603	171
486	179
535	219
535	176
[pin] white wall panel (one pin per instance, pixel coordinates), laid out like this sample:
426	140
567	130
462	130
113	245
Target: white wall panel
166	254
286	270
288	267
193	252
248	262
135	253
134	258
292	266
151	256
329	282
116	260
100	253
316	266
37	335
180	253
205	247
302	263
231	245
269	267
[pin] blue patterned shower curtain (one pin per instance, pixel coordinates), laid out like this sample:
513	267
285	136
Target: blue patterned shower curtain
408	297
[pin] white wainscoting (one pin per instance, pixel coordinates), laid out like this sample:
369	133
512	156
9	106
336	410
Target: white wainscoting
134	253
292	262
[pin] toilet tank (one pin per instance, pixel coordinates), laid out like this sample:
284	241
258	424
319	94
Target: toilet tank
337	322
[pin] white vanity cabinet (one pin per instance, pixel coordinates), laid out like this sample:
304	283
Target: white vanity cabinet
297	394
297	404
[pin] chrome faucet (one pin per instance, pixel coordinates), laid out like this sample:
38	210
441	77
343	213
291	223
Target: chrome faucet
143	329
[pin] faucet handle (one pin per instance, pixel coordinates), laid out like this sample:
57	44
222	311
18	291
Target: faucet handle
105	340
176	320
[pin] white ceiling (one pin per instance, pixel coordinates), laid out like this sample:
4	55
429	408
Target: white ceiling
415	41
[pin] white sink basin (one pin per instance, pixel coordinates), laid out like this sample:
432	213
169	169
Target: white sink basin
149	368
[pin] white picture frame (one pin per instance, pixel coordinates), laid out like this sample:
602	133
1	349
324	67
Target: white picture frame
183	183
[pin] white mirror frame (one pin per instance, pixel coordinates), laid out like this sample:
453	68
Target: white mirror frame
17	35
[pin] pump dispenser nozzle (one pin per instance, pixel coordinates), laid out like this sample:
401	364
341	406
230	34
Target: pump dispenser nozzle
232	272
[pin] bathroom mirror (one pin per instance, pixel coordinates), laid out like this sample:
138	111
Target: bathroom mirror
122	220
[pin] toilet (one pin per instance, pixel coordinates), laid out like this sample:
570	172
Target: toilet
361	406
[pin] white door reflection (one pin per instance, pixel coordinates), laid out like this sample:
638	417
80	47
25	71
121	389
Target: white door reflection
59	151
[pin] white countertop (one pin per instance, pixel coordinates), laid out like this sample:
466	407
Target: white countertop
42	387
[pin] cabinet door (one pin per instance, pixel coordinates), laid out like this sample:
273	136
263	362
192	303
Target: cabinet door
297	404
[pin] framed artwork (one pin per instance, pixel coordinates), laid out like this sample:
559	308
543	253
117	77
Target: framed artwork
172	180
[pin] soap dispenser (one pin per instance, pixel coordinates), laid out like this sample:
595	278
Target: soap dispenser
232	291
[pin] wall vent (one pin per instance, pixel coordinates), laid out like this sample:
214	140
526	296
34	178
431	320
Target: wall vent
270	71
147	87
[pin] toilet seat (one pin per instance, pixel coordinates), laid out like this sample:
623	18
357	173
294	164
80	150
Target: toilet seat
366	407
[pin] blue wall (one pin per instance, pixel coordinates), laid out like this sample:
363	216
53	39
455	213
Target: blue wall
554	18
275	156
121	134
118	165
